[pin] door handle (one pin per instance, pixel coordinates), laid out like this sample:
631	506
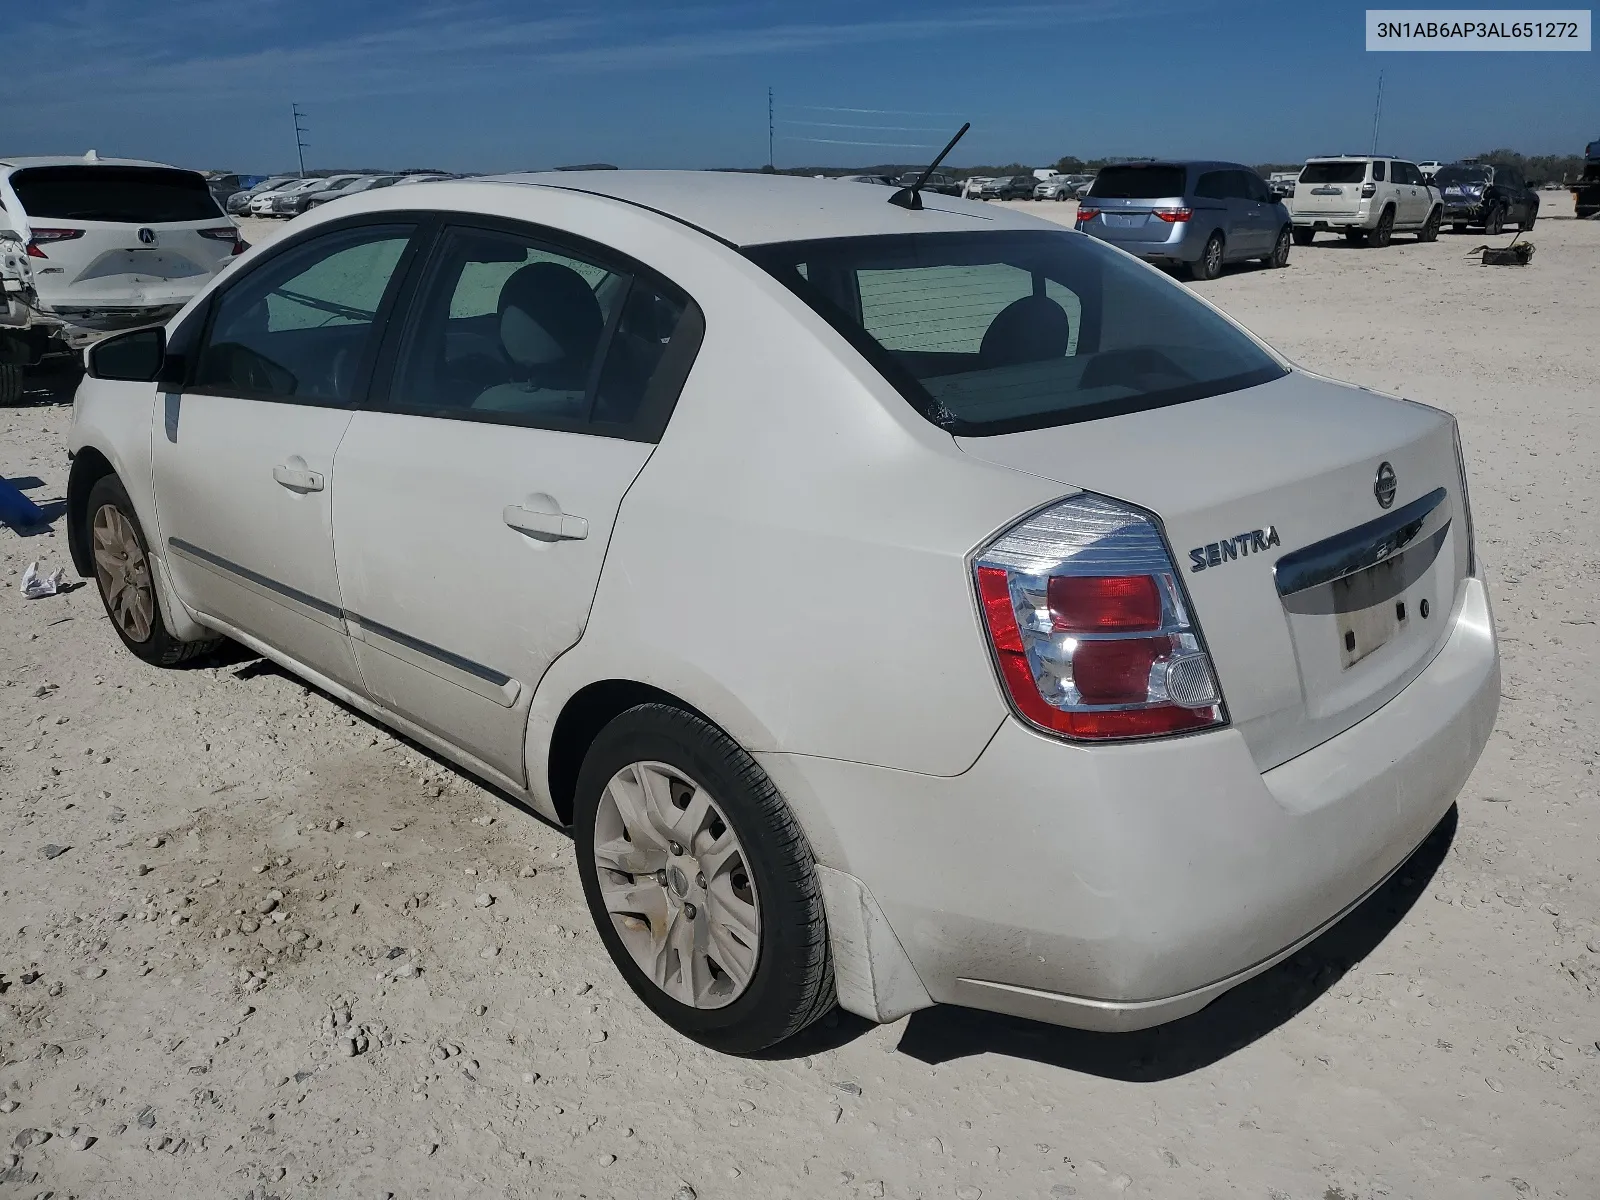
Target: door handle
298	479
556	526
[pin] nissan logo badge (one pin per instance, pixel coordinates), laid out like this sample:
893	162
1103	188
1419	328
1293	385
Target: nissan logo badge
147	236
1383	487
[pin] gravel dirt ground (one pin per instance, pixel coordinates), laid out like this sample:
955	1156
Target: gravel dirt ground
252	945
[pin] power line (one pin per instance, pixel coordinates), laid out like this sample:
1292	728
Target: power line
843	142
879	112
865	128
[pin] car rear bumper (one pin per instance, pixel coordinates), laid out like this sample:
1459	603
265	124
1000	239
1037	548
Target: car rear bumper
1184	242
1121	887
1334	221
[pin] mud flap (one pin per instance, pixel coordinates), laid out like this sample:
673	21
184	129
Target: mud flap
873	976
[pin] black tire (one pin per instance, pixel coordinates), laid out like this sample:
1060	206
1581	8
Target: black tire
158	647
792	982
1209	264
1356	237
1279	258
1383	233
1533	215
1430	228
1303	237
11	384
1458	226
1494	223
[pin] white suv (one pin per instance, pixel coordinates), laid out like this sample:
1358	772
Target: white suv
89	245
1367	199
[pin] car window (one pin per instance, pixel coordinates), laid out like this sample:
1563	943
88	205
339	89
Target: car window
516	329
996	332
1258	188
1139	183
299	327
1213	185
1333	172
124	195
1378	168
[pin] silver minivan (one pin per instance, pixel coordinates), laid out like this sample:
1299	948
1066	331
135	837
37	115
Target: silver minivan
1197	215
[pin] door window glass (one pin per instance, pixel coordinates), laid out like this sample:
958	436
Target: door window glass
1213	185
1378	168
300	327
512	329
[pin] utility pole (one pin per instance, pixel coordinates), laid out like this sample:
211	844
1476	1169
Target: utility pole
1377	113
299	138
769	130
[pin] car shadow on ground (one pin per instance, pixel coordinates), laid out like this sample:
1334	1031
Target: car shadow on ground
1231	1022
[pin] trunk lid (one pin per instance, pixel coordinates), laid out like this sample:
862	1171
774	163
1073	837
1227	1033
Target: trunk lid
1272	490
115	265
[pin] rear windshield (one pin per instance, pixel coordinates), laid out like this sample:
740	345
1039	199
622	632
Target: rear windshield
989	333
1138	183
130	195
1334	172
1461	175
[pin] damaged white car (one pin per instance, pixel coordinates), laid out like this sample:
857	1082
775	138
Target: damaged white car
91	245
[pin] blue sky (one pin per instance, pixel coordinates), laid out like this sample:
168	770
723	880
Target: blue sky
501	85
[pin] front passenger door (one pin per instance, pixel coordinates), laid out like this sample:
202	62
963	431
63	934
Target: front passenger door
243	464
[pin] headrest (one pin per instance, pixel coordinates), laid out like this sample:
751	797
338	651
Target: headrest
548	314
1032	329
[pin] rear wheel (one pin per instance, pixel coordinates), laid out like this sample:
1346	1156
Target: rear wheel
1533	215
123	574
10	384
700	882
1356	237
1303	237
1209	264
1495	222
1430	228
1458	226
1280	250
1384	232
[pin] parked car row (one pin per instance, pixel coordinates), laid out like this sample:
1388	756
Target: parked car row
289	196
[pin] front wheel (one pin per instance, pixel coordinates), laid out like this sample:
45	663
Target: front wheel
1279	257
1303	237
1209	264
1533	215
701	882
1430	228
1495	222
123	575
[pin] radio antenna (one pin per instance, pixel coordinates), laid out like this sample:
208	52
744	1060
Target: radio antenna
911	197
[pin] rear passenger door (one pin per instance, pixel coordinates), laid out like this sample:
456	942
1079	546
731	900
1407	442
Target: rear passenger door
1246	223
477	493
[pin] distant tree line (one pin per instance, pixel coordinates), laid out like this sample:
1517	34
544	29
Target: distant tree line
1536	168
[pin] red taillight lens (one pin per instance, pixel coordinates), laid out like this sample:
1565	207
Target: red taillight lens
1087	214
1173	215
1094	656
1104	603
46	236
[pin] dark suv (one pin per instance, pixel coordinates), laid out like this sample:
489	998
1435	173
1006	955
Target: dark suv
1478	194
945	185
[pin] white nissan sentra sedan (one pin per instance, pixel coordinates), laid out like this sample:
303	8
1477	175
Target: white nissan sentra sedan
903	605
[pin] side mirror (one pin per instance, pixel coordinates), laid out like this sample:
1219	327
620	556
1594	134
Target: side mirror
134	357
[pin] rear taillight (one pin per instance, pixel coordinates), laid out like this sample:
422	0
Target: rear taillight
1173	215
46	236
1090	629
1368	190
221	233
1087	214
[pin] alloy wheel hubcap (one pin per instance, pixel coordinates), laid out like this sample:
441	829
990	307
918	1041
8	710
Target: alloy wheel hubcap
123	572
674	878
